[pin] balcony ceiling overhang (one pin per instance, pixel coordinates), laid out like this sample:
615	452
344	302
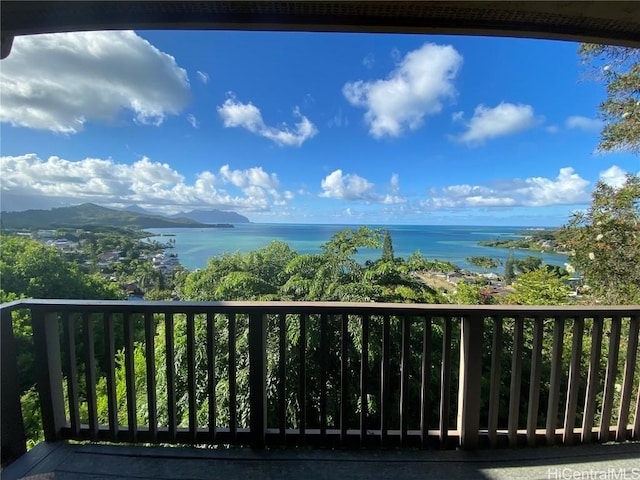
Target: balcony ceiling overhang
607	22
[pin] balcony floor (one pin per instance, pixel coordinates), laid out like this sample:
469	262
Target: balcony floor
64	461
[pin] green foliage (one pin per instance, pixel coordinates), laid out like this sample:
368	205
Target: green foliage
146	275
89	214
387	247
346	242
468	294
619	68
32	417
527	264
33	270
272	272
509	269
539	287
142	411
483	262
255	275
417	263
605	242
538	240
157	294
29	269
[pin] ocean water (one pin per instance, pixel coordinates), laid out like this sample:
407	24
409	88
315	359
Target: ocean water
195	246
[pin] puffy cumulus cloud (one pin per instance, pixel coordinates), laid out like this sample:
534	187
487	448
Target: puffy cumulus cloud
150	184
255	176
353	187
255	182
584	123
504	119
568	188
60	81
248	116
416	88
346	187
614	176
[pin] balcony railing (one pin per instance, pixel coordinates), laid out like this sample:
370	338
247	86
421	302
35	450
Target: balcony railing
325	374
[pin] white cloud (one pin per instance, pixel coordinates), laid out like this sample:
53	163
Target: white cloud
248	116
394	183
254	176
393	198
61	81
584	123
193	120
346	187
568	188
204	77
552	129
353	187
151	184
415	89
504	119
613	176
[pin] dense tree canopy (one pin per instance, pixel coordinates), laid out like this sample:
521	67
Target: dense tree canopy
619	68
276	272
483	262
604	242
30	269
539	287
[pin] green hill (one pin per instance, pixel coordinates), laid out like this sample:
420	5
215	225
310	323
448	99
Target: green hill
90	214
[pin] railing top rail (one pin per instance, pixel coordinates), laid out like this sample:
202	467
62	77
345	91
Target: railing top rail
293	307
10	306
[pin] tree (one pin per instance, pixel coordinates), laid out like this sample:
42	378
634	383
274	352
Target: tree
257	275
509	269
146	275
527	264
483	262
468	294
539	287
604	242
339	276
619	68
387	248
30	269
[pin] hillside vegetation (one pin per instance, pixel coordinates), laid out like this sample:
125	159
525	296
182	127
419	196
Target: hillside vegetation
89	214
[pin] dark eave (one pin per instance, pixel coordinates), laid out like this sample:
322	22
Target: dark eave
598	22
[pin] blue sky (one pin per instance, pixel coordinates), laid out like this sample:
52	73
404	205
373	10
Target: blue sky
304	127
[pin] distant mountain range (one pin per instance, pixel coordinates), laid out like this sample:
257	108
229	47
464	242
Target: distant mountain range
202	216
213	216
89	214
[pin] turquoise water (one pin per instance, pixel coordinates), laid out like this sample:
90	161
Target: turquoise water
449	243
